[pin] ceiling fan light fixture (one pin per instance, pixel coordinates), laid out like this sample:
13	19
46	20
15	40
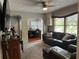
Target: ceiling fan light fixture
45	9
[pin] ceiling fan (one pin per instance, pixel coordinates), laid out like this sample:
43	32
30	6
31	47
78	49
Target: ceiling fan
45	4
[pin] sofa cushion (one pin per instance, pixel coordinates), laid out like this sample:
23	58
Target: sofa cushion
49	34
58	35
58	40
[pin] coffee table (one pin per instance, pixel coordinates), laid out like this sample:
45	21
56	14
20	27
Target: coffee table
63	54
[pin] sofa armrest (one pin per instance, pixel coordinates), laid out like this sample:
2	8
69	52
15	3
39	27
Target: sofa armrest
56	40
73	56
70	41
71	48
73	45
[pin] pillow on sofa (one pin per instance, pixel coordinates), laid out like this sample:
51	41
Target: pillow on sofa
66	37
72	36
49	34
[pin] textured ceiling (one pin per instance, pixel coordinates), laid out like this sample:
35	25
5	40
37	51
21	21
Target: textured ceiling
32	6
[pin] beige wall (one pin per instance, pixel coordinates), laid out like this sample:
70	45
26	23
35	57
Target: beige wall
66	10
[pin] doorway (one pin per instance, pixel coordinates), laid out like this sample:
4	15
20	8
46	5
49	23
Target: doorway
35	30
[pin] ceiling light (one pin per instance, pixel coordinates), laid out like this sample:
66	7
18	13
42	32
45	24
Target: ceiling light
45	9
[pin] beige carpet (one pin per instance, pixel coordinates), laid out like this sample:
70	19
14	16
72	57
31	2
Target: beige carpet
34	50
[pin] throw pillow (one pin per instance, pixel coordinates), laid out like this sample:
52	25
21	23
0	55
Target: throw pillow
65	37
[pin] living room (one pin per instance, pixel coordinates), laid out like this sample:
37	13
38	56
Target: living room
59	27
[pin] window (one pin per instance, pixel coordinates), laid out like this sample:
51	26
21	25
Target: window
59	24
36	24
71	24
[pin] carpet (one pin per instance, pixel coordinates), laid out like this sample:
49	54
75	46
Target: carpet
34	50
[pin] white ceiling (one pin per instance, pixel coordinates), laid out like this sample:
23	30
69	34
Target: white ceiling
32	6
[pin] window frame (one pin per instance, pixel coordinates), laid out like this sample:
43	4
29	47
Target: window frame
65	21
71	25
58	25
